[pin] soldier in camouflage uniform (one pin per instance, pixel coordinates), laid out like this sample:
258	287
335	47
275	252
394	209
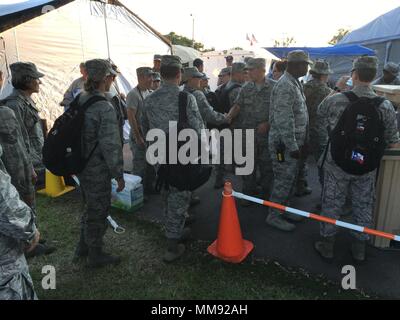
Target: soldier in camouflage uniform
15	157
390	76
161	107
26	81
135	105
18	233
288	135
315	91
100	135
251	111
228	95
191	78
339	184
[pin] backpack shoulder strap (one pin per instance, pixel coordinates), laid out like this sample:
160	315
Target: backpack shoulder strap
91	101
351	96
183	101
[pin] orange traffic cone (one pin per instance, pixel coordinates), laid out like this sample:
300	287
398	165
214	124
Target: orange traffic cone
230	245
55	186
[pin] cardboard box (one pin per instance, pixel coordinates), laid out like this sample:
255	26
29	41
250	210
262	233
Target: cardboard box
131	198
391	93
387	215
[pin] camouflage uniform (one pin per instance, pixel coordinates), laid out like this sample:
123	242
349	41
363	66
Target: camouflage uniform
206	111
17	226
135	101
73	90
27	115
254	103
101	132
15	157
289	125
337	183
392	68
161	107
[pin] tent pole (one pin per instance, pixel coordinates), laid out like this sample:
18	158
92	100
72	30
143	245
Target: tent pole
105	24
16	43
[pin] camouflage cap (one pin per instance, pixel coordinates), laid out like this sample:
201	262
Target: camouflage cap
157	57
205	77
298	56
365	62
225	71
144	71
191	72
238	67
247	59
23	69
171	61
156	76
392	68
255	63
98	69
321	67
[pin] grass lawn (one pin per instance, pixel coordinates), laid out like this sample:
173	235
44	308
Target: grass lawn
143	275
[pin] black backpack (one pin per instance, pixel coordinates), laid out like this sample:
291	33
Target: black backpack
357	141
184	177
224	105
62	150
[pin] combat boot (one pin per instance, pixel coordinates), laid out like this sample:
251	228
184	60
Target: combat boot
99	259
186	235
325	247
302	189
293	217
81	250
358	250
279	223
174	250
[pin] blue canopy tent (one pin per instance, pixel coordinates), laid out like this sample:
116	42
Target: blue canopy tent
381	35
339	57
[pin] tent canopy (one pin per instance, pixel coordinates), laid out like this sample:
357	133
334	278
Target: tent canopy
186	54
16	13
320	52
383	28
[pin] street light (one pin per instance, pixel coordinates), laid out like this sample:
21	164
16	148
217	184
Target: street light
192	29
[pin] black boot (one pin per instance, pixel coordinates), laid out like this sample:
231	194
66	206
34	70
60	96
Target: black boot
81	250
40	250
358	250
99	259
174	250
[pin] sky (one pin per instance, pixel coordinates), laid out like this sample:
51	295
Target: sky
224	24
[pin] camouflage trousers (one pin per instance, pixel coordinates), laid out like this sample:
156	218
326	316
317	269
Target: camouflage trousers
15	281
285	176
96	192
263	165
337	186
176	205
140	167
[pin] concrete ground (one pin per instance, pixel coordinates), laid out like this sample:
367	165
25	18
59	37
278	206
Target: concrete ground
380	274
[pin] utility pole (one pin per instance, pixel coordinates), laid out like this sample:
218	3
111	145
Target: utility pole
192	29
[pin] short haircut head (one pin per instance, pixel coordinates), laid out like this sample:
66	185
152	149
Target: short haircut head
198	62
366	74
281	65
169	72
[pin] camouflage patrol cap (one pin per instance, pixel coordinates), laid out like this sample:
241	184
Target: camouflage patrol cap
98	69
205	77
23	69
256	63
156	76
171	61
191	72
157	57
365	62
238	67
298	56
144	71
225	71
321	67
392	68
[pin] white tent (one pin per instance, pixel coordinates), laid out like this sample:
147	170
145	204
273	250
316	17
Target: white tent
187	54
58	40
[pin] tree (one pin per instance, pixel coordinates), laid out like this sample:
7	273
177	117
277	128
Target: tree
184	41
237	48
338	36
285	42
